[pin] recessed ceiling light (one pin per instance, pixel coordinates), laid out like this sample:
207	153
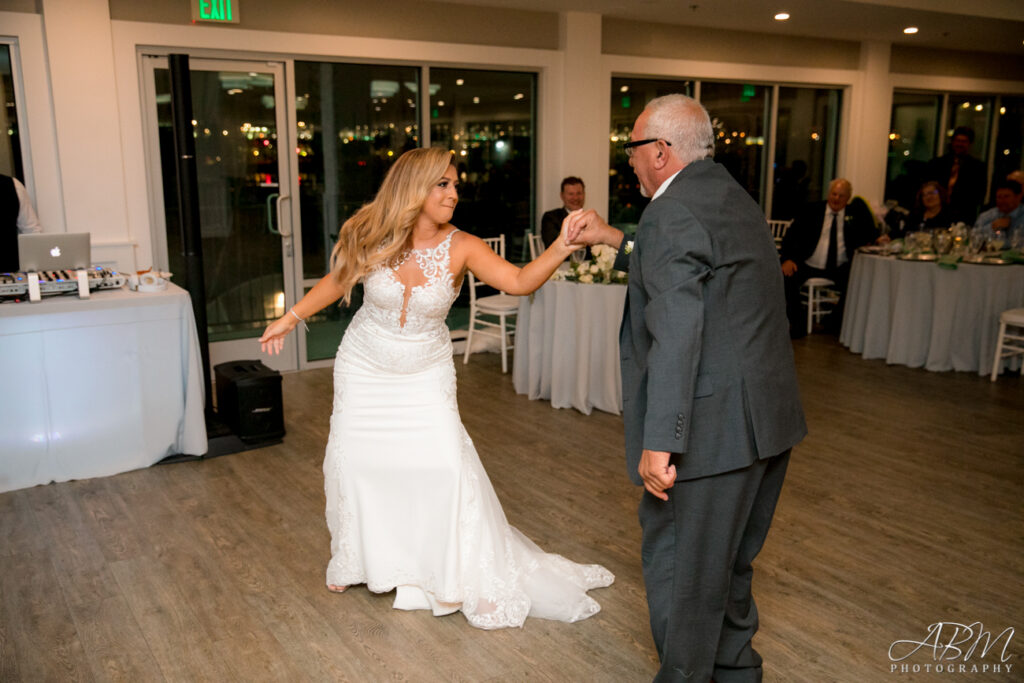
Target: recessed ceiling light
910	30
782	16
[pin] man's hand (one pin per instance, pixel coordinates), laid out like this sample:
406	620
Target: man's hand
657	473
788	267
586	227
1001	223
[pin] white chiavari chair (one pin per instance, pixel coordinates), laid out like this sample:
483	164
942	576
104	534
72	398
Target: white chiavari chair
483	309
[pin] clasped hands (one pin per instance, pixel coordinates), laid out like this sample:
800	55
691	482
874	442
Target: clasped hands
583	227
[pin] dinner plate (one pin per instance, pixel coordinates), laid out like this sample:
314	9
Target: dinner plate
919	257
987	260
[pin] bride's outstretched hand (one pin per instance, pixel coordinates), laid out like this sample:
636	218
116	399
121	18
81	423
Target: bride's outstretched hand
272	340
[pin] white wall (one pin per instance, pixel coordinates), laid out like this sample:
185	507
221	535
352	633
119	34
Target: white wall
84	94
863	157
584	111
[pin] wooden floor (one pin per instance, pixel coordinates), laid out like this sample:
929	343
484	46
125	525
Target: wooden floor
901	509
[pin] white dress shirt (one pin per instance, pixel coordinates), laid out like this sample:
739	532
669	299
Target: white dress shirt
664	185
820	255
28	221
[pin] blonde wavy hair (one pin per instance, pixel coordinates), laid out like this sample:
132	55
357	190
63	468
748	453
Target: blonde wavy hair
381	230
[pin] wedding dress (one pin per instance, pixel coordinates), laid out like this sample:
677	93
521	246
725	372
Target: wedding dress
409	506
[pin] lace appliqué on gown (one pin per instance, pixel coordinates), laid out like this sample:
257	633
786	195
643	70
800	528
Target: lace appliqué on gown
409	505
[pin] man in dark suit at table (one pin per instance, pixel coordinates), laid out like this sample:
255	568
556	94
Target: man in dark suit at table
821	243
711	407
574	195
961	175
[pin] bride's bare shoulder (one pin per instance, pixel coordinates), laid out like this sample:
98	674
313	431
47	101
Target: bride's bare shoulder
464	242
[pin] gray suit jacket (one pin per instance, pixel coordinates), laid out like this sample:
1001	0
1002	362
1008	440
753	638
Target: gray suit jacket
707	364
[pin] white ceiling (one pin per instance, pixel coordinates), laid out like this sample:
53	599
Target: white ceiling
979	25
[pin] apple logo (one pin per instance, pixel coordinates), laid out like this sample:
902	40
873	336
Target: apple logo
55	252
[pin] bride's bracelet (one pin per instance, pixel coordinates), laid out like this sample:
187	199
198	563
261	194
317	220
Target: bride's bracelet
301	320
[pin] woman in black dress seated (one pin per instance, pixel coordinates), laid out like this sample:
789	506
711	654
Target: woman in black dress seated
930	211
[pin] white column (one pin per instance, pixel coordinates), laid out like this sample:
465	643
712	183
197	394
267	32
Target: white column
79	49
863	160
585	117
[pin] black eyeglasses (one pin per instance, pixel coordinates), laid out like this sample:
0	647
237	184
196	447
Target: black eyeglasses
627	147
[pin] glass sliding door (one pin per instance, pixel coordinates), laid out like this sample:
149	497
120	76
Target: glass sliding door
912	138
806	139
629	97
739	114
353	122
1010	138
10	135
487	119
244	192
974	112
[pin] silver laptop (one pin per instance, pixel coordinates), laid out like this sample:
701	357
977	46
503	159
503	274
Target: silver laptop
53	251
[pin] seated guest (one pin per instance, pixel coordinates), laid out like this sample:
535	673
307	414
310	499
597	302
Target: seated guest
16	216
929	212
573	196
821	243
1008	213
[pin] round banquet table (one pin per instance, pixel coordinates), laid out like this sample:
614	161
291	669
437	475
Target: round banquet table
567	346
917	314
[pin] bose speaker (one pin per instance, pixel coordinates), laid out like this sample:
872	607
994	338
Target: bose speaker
249	400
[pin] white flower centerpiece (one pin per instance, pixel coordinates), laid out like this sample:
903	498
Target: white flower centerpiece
596	270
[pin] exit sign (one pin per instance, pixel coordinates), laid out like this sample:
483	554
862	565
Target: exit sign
219	11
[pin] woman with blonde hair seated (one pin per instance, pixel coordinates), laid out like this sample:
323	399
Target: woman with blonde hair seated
409	505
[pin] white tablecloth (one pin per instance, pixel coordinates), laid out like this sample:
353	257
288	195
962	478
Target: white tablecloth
917	314
93	387
567	346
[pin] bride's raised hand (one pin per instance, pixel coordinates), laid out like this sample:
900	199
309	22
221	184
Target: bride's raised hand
272	340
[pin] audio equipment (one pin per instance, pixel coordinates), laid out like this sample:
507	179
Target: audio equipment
53	282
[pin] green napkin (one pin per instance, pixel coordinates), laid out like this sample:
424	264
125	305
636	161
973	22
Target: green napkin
949	261
1014	255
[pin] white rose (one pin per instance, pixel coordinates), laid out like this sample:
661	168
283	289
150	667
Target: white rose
594	269
586	278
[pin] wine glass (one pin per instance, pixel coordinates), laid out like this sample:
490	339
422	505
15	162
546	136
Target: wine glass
997	242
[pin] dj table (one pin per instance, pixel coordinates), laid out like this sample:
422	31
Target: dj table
93	387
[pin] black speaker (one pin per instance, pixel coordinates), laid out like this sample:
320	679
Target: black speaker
249	400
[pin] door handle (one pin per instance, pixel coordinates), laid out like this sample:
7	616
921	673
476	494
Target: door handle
276	199
270	215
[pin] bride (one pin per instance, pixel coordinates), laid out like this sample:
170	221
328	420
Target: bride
409	505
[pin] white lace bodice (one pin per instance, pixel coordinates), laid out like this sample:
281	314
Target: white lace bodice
401	325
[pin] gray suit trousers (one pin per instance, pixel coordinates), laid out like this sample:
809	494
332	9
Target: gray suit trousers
697	552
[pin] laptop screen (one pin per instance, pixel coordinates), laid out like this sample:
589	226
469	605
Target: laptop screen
53	251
